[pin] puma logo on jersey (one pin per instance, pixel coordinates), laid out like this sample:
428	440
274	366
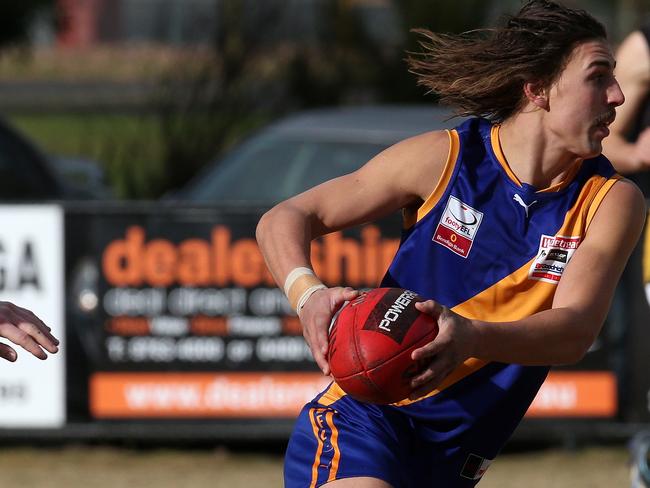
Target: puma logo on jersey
517	198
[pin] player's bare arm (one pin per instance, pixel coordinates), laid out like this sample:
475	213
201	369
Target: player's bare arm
391	180
24	329
633	75
562	334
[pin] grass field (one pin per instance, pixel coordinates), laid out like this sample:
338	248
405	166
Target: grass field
104	467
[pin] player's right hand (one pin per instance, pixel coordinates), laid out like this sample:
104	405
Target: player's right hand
316	316
26	330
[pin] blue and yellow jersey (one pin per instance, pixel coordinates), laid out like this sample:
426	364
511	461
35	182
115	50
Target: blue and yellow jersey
494	249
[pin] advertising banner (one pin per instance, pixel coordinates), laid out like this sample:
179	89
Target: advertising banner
189	322
186	321
32	391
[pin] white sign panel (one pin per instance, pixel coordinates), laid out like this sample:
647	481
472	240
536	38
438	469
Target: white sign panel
32	391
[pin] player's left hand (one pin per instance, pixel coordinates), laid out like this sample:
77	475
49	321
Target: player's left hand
26	330
451	347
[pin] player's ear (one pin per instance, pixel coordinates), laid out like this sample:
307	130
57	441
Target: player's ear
536	93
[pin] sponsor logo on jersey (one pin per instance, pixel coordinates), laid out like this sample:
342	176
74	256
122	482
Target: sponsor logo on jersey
458	227
475	467
552	257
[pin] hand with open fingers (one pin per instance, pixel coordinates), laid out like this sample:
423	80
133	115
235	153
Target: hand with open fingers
316	316
26	330
451	347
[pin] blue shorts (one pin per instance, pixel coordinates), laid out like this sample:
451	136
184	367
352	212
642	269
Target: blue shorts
353	439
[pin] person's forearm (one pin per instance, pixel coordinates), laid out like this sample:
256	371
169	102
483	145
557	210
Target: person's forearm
284	236
552	337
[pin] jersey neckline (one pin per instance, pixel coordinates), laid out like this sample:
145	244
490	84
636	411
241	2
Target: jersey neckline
499	157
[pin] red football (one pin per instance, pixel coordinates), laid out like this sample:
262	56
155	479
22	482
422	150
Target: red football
371	341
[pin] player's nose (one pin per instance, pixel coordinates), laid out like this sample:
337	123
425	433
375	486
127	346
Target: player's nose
615	95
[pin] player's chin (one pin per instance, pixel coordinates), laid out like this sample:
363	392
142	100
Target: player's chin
593	147
595	141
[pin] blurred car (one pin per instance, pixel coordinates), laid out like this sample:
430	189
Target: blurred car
307	148
83	175
28	175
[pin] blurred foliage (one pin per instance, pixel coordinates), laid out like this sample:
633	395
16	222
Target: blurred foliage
203	108
16	18
253	73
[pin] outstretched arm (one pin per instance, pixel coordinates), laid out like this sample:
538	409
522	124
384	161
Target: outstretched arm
26	330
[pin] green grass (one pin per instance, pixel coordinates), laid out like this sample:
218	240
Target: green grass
128	147
139	157
89	135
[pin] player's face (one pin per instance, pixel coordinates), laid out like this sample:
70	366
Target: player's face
583	99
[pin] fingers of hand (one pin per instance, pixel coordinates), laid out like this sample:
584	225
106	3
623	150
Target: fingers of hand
429	307
43	337
30	317
7	352
315	333
322	344
350	294
428	378
320	359
21	338
427	351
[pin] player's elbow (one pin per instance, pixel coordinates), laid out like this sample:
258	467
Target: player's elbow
272	219
577	346
263	226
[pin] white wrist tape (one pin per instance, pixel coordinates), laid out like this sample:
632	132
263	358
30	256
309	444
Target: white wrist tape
308	293
299	285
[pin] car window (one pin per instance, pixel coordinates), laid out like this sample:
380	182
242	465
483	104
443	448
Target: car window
21	175
270	169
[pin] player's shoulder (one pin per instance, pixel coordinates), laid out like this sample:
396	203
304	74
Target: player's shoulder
624	202
627	194
417	153
426	142
413	165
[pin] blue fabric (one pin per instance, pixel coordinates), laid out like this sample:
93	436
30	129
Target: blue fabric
432	442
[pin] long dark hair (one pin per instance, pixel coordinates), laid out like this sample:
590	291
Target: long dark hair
482	72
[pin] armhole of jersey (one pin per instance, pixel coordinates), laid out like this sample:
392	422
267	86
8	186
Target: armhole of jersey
445	178
598	198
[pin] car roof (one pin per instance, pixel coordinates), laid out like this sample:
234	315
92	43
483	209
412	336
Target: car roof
376	123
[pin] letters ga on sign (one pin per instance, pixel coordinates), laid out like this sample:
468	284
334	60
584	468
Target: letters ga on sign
32	392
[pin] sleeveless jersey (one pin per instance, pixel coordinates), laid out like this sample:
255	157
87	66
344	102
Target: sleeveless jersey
493	249
490	248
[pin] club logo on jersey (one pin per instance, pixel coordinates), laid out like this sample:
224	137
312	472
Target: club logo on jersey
475	467
553	256
458	227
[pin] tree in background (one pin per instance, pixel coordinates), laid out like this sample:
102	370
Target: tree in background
256	72
221	94
268	58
